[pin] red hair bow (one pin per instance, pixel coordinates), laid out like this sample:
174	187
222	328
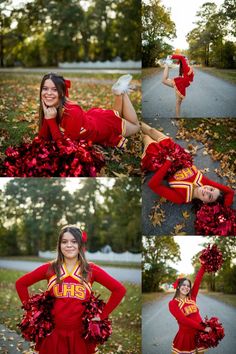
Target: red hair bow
84	236
68	85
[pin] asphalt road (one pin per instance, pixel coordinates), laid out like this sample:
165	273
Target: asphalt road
121	274
207	96
160	327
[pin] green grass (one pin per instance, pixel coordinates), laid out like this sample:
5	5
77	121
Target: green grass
229	299
126	337
226	74
152	297
19	113
102	263
146	72
218	133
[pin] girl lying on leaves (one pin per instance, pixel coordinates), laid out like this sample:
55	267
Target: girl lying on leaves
69	278
64	146
181	82
187	184
195	336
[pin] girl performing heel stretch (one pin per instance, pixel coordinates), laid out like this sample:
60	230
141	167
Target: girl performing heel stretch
70	278
181	82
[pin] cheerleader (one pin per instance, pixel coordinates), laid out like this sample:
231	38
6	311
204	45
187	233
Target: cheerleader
185	183
181	82
69	279
184	308
108	127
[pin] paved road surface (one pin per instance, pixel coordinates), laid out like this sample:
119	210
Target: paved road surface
122	274
207	96
159	327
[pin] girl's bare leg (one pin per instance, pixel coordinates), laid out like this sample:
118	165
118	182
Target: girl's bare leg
178	105
165	78
153	133
126	110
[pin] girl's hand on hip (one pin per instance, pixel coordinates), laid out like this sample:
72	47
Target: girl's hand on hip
49	112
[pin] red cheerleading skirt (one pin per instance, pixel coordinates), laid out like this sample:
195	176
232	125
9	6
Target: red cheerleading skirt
181	83
157	152
110	127
66	339
185	342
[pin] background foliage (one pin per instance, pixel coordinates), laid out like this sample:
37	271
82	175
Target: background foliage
65	31
34	209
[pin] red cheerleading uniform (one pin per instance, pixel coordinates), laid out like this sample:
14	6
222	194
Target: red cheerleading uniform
181	82
102	126
182	183
67	312
189	320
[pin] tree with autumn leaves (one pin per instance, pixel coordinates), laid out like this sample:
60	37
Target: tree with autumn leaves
34	209
44	33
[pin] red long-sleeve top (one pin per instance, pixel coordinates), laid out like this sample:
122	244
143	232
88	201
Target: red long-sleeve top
72	290
97	125
185	310
182	183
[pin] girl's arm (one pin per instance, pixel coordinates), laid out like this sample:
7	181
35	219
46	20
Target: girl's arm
228	192
160	189
197	282
181	318
29	279
117	289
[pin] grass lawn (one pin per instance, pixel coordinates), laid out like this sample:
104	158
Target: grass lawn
146	72
226	74
229	299
126	319
152	297
19	113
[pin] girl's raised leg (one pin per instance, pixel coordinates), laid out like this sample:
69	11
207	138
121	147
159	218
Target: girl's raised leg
165	78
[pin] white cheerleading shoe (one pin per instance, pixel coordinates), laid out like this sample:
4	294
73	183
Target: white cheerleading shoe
122	86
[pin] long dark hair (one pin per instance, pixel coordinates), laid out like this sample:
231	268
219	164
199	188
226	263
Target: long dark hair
59	82
56	264
197	203
180	68
180	282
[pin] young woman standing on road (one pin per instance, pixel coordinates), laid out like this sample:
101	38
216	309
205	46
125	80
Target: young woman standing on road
70	278
179	83
184	308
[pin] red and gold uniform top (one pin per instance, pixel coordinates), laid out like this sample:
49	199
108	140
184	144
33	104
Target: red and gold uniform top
72	290
185	310
98	125
182	184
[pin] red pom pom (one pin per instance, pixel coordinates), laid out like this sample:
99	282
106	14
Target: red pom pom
37	321
95	331
156	157
211	258
64	158
215	219
210	339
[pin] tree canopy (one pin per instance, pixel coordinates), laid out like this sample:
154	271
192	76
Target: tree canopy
44	33
34	209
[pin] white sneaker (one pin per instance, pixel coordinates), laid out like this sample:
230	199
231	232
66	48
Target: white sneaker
121	86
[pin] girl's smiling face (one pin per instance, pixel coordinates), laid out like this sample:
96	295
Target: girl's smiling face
208	194
69	246
184	288
49	94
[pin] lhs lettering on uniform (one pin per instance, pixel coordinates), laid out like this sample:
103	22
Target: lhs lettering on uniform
70	290
188	310
185	173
